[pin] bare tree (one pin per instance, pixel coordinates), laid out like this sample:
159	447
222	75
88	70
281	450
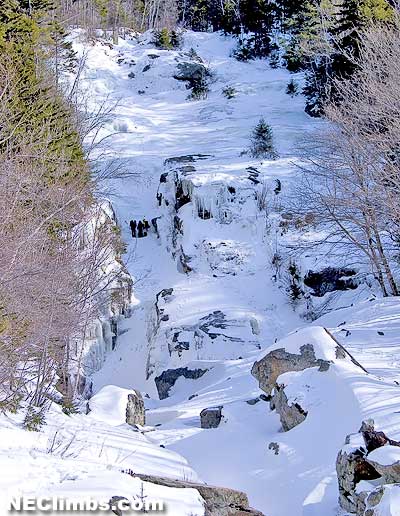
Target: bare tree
351	182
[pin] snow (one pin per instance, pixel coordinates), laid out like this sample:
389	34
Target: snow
390	503
230	256
387	455
109	405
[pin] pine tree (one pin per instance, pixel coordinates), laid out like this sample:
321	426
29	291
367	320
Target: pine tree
353	17
292	88
36	109
262	142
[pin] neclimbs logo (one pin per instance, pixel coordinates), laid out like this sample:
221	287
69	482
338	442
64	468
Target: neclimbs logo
55	504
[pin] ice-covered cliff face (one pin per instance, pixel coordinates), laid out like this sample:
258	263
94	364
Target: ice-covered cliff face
112	299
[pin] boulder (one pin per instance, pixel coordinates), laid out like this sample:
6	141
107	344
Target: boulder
190	72
218	501
135	412
279	361
167	379
367	455
211	417
290	415
313	347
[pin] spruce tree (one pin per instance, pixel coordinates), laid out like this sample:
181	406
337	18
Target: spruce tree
262	141
353	17
36	109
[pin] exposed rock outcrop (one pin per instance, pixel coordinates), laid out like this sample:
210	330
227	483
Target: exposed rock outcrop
279	361
320	350
290	415
135	413
361	459
330	279
167	379
218	501
211	417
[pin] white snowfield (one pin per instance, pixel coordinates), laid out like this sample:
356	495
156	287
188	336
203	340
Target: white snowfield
230	257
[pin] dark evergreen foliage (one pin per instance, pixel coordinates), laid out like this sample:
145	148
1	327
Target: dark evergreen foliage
262	142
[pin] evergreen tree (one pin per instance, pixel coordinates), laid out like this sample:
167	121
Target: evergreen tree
36	109
292	88
262	142
336	61
353	17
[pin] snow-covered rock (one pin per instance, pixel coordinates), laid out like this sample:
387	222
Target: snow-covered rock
218	501
309	348
117	406
367	459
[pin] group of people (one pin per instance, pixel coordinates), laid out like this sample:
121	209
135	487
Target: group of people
139	229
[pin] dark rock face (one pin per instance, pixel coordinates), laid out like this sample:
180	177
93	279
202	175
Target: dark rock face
135	413
180	197
167	379
218	501
191	72
211	417
354	465
374	439
329	280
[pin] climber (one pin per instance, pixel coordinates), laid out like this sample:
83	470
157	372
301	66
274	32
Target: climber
140	229
159	198
155	227
132	224
146	226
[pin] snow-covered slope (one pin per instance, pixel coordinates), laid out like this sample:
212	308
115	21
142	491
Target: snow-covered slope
206	303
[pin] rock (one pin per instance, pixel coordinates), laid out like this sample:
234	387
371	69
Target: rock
114	507
294	357
351	468
374	439
211	417
131	75
218	501
135	413
389	473
382	501
189	158
191	72
146	68
279	361
167	379
330	279
275	447
363	462
290	415
254	401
